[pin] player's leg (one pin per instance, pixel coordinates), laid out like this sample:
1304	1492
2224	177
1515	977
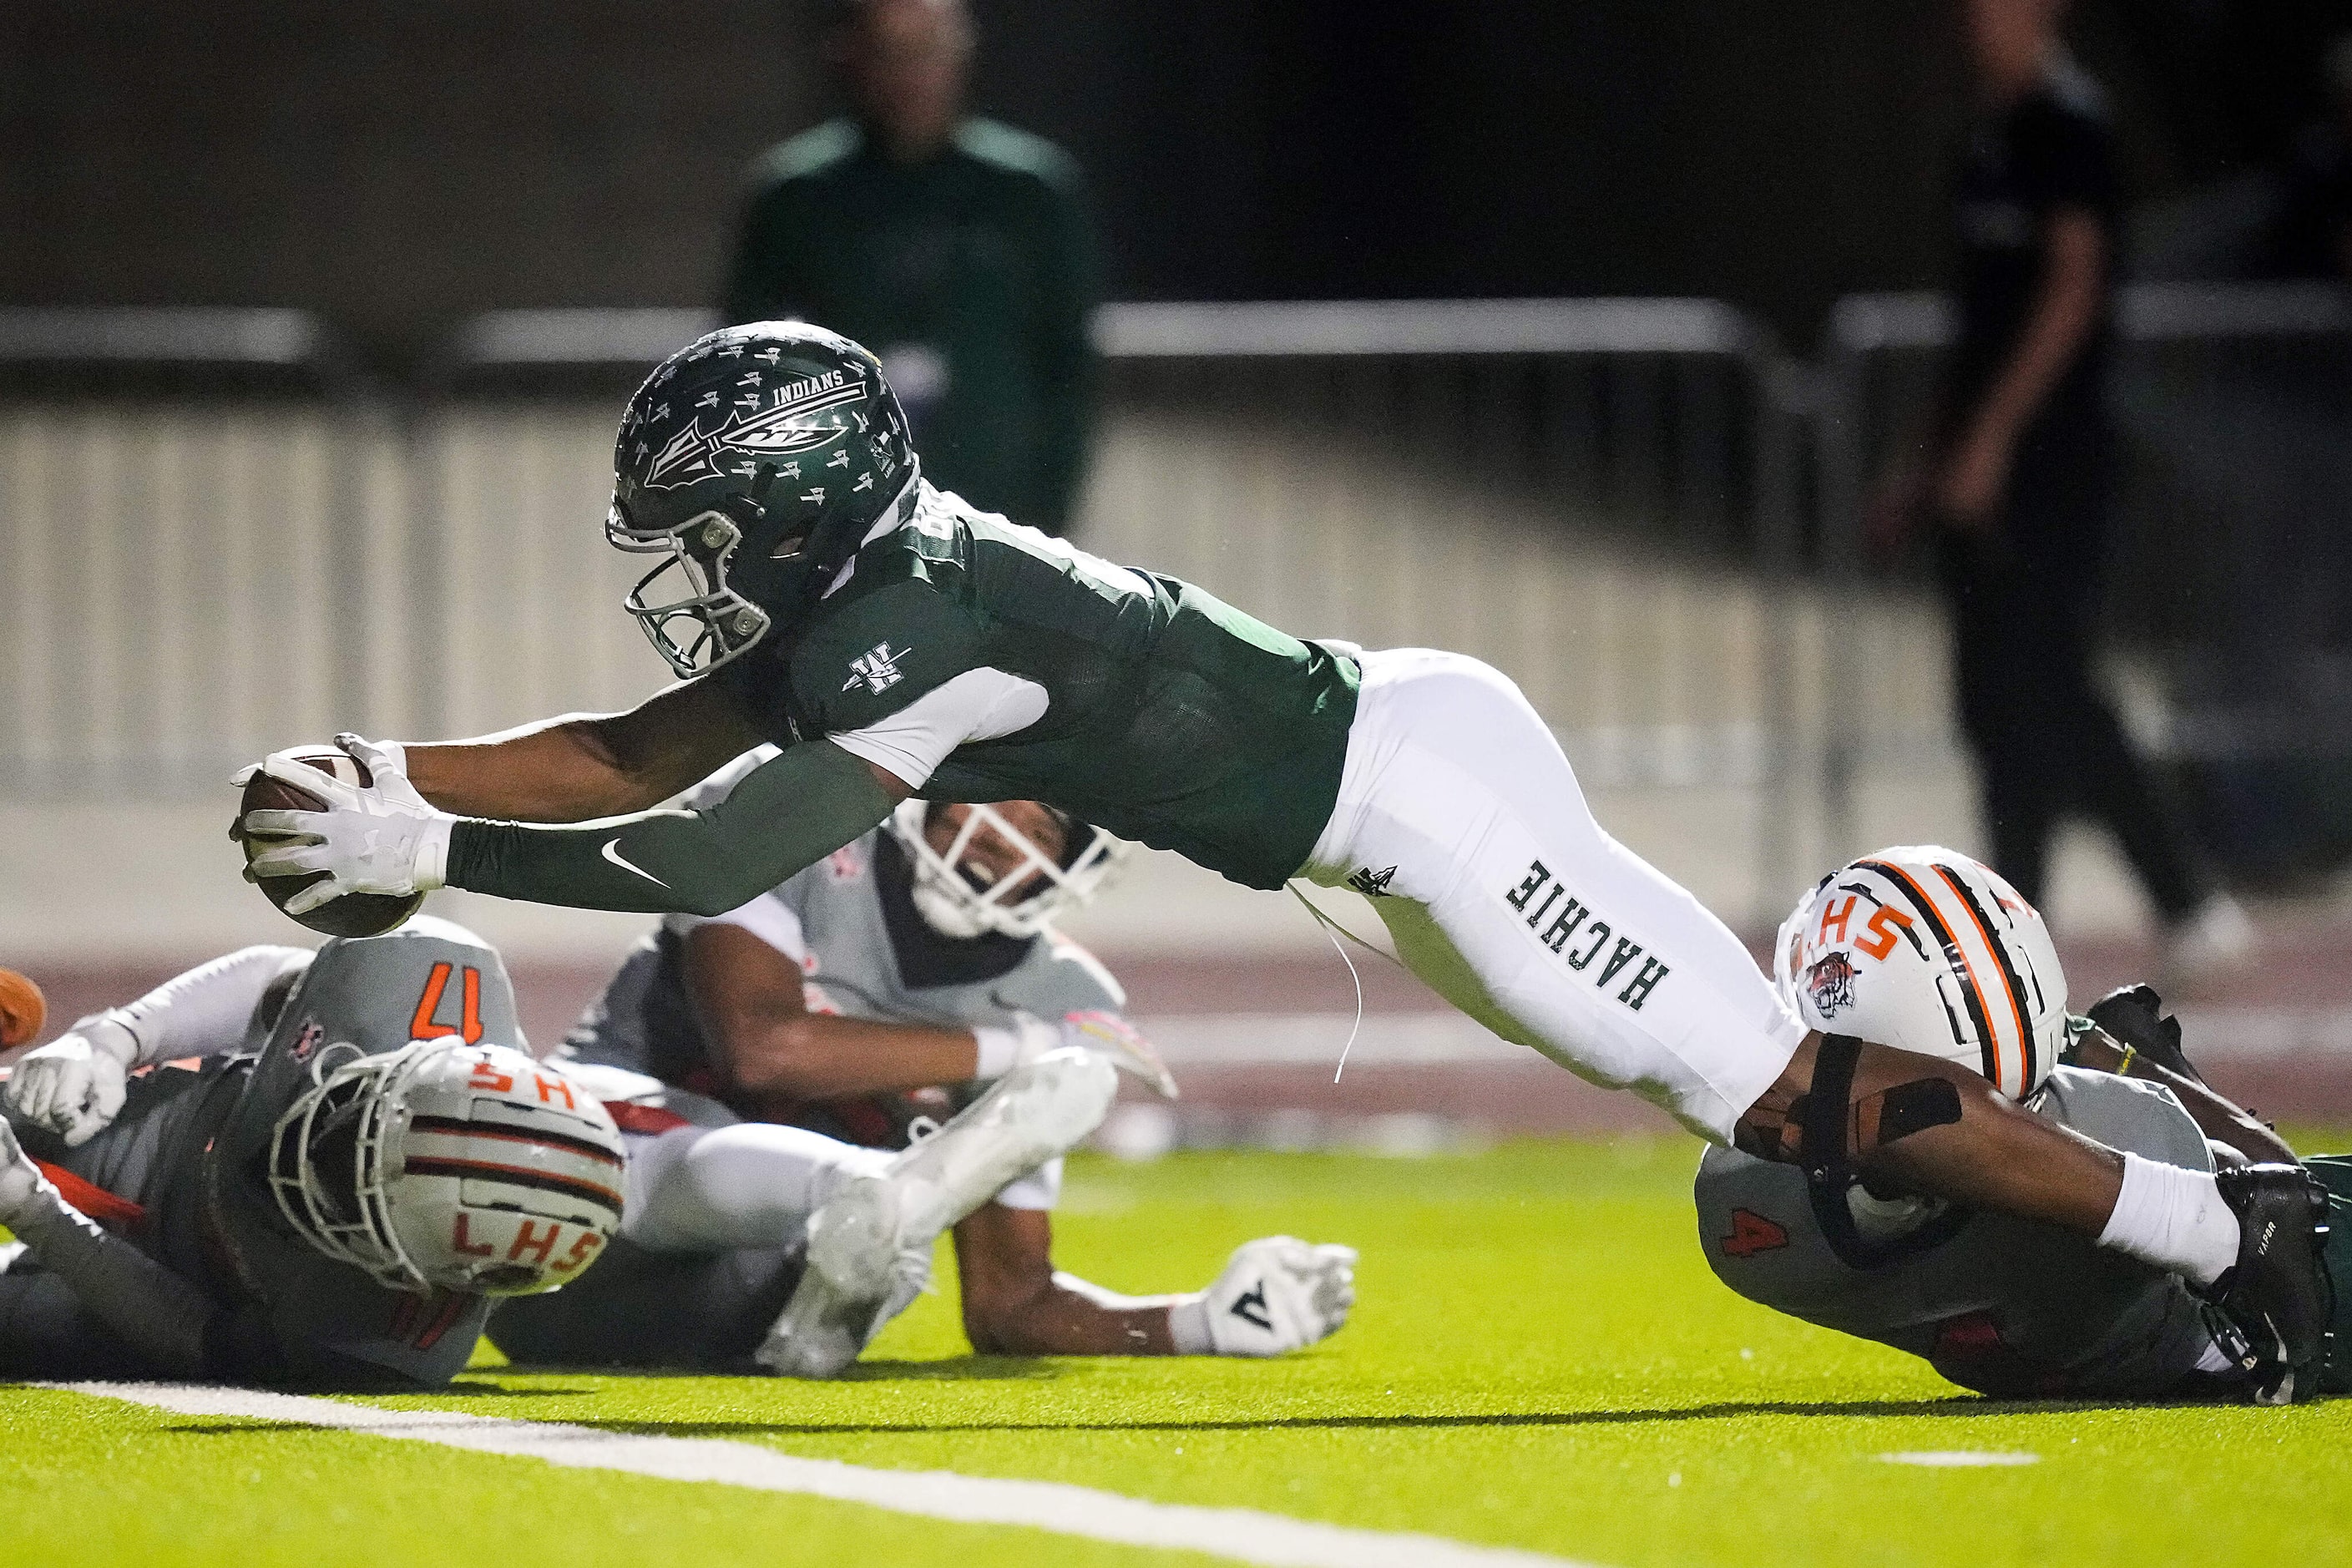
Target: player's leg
1530	917
870	1246
46	1333
1460	813
636	1308
696	1189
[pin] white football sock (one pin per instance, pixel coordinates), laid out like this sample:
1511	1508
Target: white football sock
2173	1217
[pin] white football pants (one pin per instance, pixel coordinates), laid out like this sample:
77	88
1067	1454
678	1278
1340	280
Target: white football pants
1458	812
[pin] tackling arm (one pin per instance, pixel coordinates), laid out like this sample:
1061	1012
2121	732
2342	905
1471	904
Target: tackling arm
755	1014
74	1086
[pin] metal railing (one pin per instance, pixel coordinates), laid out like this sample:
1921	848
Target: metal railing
220	538
175	486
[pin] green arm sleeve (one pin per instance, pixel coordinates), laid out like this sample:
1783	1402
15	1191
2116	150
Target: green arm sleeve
791	811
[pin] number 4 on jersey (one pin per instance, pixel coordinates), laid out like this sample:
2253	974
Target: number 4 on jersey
1752	1233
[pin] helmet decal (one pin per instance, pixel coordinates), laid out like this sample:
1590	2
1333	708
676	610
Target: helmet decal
1829	981
447	1165
1928	949
755	462
792	420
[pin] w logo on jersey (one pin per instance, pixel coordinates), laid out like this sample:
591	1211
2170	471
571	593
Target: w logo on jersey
877	667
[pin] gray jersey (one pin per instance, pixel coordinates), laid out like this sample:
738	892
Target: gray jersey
190	1149
850	923
2005	1306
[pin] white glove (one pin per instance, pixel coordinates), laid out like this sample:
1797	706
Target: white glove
1105	1035
385	838
74	1085
1277	1294
25	1193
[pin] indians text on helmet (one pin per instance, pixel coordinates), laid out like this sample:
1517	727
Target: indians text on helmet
797	417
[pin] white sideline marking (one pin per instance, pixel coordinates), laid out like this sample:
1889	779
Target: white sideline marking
1241	1534
1960	1458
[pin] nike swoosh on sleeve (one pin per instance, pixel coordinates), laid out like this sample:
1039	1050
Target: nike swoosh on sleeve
613	853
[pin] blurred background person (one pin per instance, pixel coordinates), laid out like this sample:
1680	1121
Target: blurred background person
2314	232
956	245
2022	467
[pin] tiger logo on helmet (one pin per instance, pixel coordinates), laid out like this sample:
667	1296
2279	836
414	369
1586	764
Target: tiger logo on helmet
1928	949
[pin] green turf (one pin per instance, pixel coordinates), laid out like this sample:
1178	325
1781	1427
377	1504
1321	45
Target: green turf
1539	1359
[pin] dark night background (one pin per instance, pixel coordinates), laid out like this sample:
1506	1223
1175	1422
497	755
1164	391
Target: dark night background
398	163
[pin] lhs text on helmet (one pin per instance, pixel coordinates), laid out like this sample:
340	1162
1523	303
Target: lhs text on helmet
450	1166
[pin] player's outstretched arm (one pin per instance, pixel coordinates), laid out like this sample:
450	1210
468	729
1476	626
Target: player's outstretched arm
785	815
1015	1304
586	766
74	1086
1276	1294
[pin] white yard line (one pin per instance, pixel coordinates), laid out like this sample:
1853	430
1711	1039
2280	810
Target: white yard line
1244	1535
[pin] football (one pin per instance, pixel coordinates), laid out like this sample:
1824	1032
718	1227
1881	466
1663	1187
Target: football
353	914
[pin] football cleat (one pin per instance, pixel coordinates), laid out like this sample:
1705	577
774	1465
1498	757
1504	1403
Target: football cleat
869	1246
2134	1016
2278	1297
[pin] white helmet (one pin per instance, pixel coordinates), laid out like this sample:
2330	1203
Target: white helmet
1927	950
957	900
447	1165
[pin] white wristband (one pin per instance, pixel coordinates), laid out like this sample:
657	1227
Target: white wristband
997	1049
1188	1325
431	868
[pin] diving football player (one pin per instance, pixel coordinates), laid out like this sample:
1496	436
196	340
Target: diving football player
816	593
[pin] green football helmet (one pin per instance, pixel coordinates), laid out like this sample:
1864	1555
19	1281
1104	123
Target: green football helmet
754	460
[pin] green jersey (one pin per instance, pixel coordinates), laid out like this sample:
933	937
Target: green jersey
972	659
978	660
